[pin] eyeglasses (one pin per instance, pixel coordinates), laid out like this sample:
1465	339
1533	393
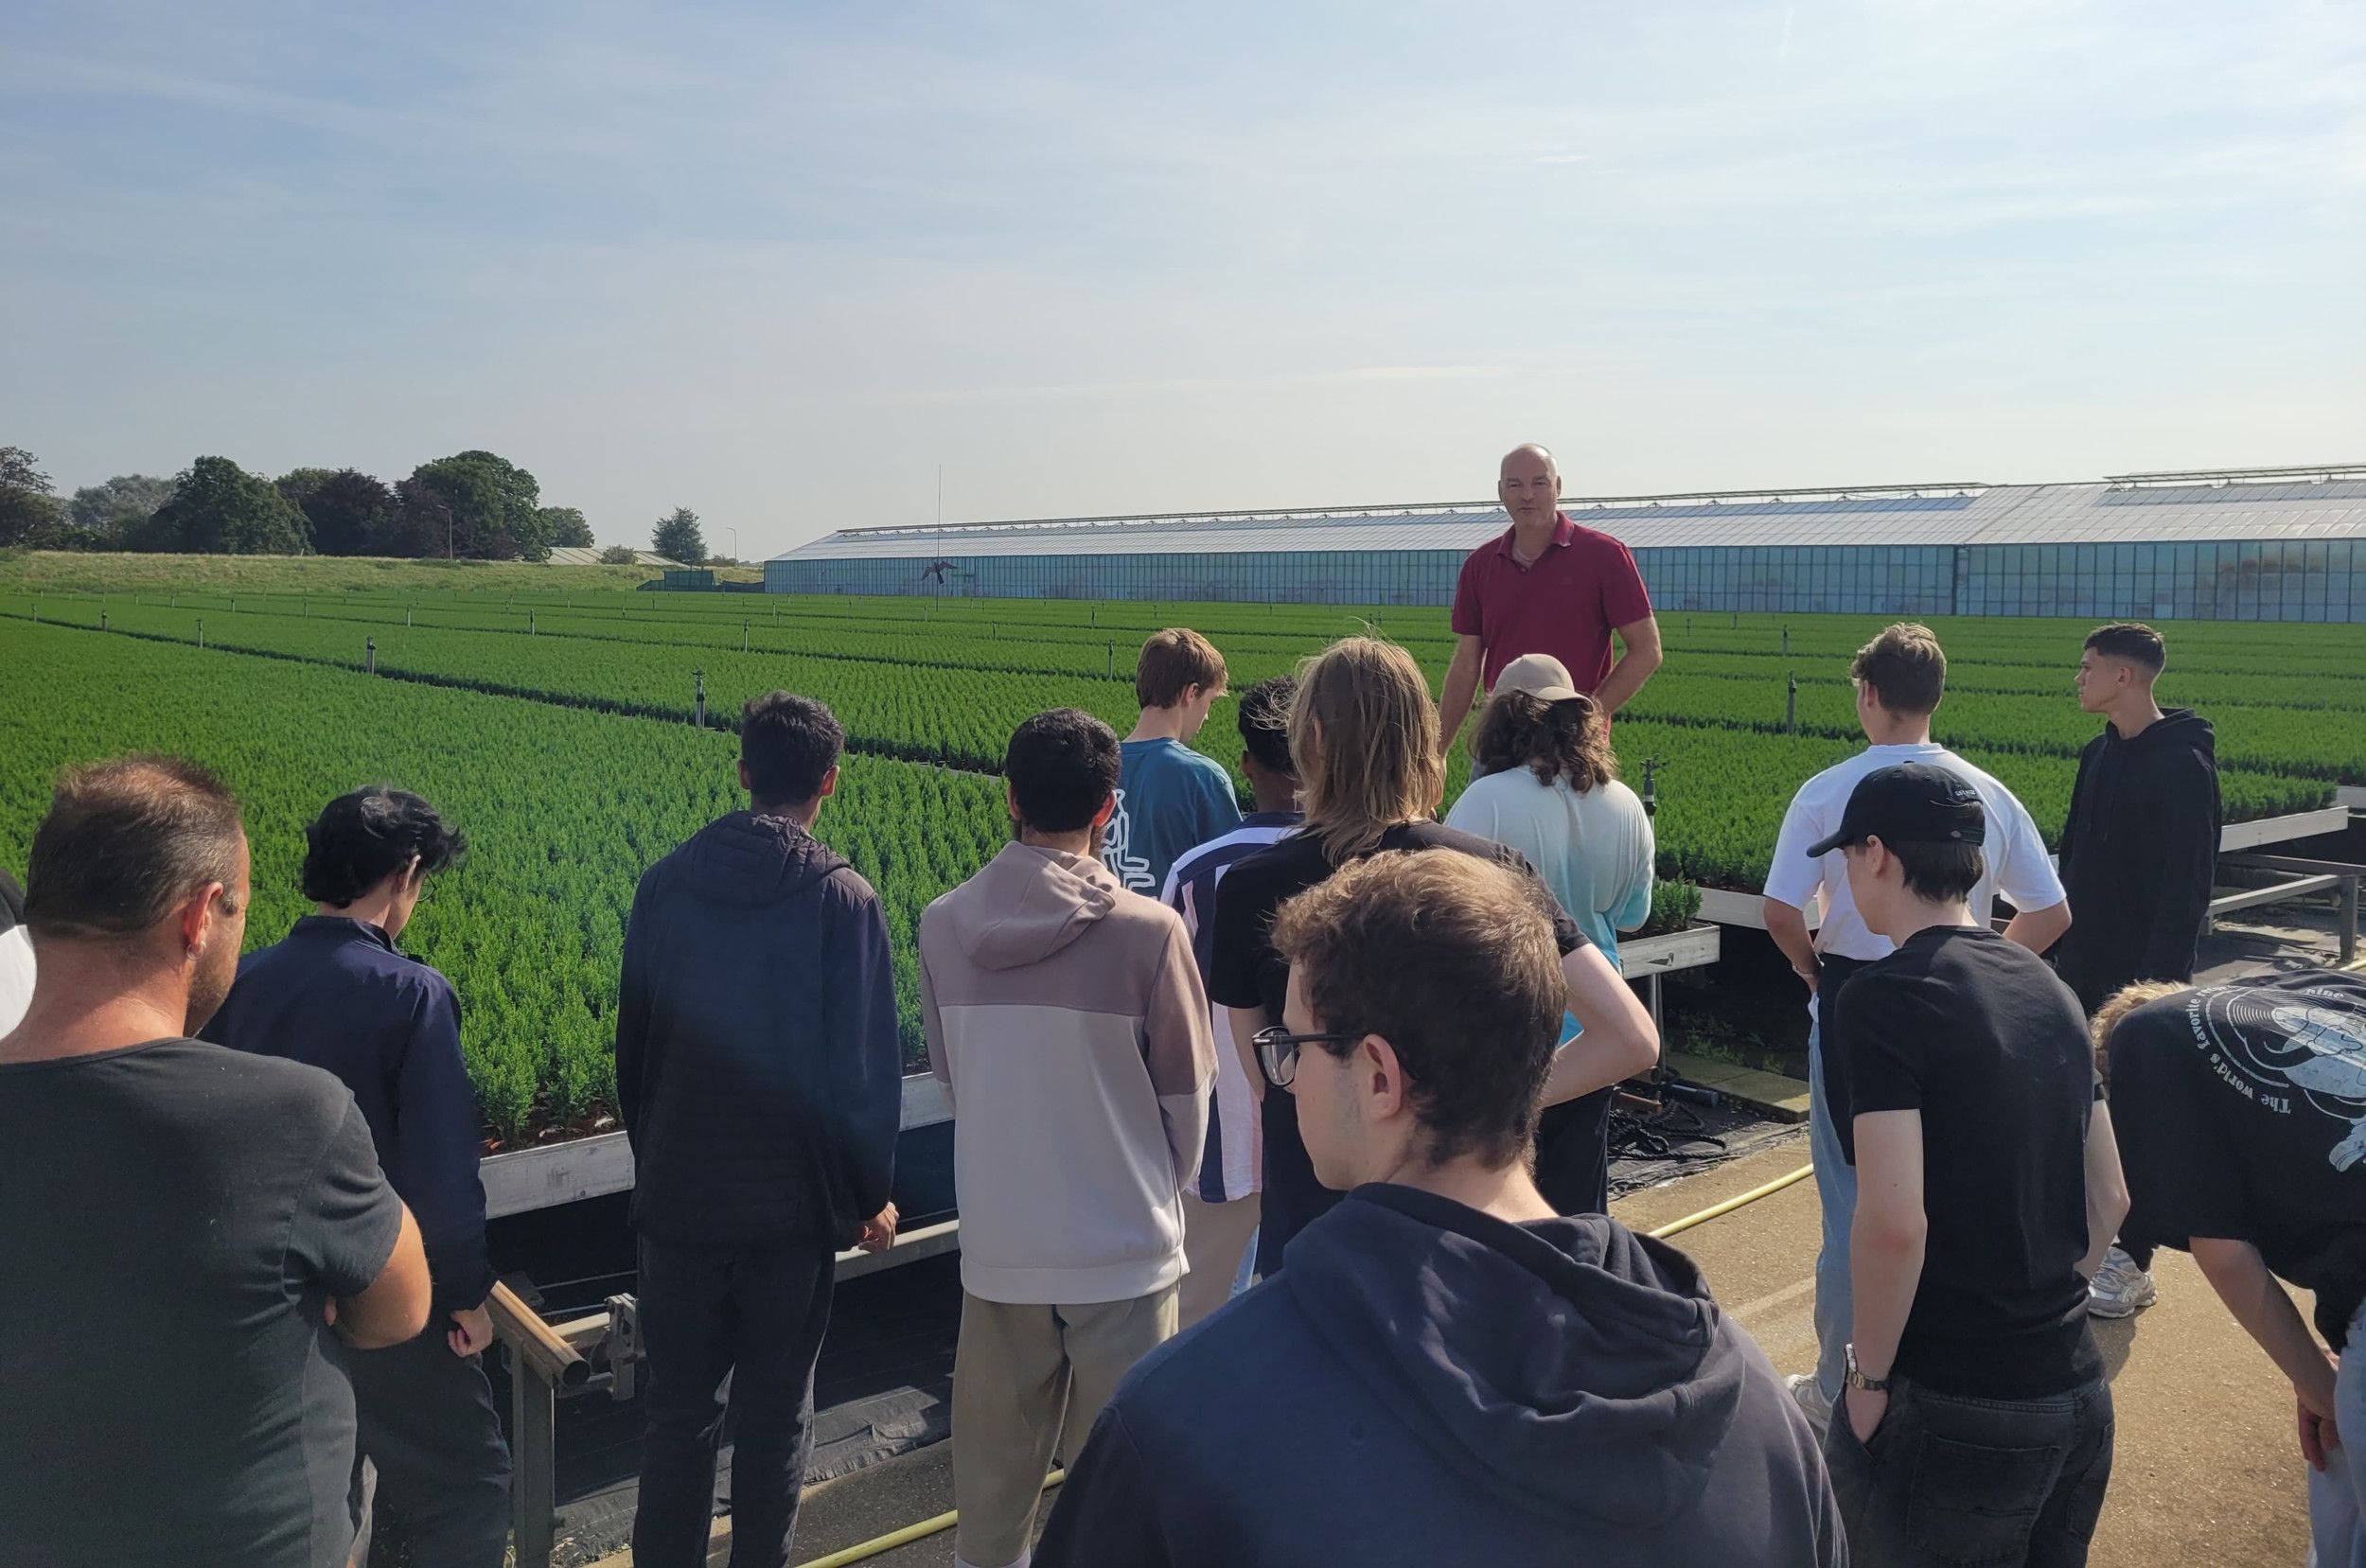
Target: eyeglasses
1278	1052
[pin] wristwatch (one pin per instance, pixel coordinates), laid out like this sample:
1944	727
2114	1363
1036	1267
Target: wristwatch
1856	1377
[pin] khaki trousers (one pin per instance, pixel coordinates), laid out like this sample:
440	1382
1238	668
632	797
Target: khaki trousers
1214	1237
1028	1379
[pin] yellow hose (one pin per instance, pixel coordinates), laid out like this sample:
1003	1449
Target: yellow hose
905	1535
945	1521
1741	1201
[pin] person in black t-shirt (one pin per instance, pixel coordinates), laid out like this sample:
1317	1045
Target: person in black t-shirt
186	1231
1989	1186
2245	1111
1364	735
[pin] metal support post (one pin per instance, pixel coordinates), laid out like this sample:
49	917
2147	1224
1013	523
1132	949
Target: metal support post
1791	709
2349	921
533	1479
369	656
701	677
201	634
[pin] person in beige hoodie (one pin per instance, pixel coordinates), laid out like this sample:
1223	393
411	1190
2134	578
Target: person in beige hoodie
1066	1018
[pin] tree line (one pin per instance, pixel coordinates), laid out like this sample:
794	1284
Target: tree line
472	505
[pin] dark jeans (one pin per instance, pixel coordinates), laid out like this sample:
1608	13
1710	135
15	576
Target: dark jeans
425	1418
1962	1483
1573	1155
755	1316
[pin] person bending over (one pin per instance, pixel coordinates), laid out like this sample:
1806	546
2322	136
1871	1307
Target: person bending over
2242	1112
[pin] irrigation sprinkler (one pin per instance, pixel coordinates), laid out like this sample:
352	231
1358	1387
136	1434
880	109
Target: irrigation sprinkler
529	622
369	656
743	637
201	634
1650	786
102	620
1791	709
701	718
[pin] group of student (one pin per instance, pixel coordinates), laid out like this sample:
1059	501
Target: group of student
1333	1045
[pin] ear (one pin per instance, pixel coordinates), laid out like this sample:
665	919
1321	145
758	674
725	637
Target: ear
1108	809
1380	1077
197	917
829	783
1010	799
743	774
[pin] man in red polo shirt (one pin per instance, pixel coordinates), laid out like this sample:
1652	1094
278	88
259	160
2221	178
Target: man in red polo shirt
1547	586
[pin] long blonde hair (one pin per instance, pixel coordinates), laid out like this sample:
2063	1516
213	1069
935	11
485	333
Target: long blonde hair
1375	762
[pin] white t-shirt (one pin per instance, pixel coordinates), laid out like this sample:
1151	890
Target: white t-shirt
2016	854
1593	847
16	977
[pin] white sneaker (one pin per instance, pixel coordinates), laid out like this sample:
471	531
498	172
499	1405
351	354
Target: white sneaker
1809	1393
2119	1289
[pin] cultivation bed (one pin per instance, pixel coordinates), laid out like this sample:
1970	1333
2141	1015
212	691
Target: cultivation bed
1733	906
521	1180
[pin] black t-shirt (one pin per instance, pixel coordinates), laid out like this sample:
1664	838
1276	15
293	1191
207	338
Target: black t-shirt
2241	1114
1245	972
173	1216
1977	1034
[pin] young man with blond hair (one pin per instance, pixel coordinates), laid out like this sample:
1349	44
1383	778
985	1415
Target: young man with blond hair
1899	675
2242	1117
1170	798
1448	1372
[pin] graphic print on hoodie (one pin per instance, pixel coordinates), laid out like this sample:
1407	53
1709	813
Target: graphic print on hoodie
2139	855
1066	1018
1425	1383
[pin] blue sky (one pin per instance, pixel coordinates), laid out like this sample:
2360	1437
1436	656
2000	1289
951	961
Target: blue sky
778	263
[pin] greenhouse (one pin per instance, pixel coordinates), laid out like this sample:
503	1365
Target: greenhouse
2284	544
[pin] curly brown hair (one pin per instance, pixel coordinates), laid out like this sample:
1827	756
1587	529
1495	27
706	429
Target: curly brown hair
1554	740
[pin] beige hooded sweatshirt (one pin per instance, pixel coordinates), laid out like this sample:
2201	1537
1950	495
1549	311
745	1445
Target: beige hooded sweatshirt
1066	1018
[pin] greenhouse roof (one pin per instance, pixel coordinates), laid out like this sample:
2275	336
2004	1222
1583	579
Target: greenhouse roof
2286	503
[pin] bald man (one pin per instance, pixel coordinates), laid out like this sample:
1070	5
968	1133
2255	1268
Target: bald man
1547	586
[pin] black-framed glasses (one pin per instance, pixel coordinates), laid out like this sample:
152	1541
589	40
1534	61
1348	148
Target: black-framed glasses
1278	1052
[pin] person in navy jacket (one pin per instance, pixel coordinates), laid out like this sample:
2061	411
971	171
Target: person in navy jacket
337	993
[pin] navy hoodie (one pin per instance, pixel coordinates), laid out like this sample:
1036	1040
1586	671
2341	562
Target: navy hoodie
1424	1384
2139	856
758	1068
336	993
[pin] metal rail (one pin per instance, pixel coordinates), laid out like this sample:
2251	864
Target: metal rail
2307	876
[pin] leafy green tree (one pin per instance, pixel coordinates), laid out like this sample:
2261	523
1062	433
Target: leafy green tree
563	526
620	555
676	537
114	516
296	484
494	507
28	512
352	514
218	508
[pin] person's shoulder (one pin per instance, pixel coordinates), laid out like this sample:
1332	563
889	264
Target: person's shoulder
1221	1370
849	887
1143	918
288	1094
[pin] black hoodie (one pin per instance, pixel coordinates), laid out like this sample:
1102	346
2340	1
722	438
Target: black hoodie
1424	1384
2139	855
757	1060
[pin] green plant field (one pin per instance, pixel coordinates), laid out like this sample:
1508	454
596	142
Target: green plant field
547	710
564	809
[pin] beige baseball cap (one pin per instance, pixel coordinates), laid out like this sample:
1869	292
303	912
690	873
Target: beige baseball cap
1539	674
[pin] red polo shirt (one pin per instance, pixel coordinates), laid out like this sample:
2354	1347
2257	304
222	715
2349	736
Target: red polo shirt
1565	604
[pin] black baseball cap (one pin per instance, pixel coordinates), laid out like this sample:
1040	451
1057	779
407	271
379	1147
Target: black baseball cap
1908	802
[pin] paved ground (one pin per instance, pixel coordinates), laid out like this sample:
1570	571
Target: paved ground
2207	1472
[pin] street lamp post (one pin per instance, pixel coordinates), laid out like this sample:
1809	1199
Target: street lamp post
735	534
